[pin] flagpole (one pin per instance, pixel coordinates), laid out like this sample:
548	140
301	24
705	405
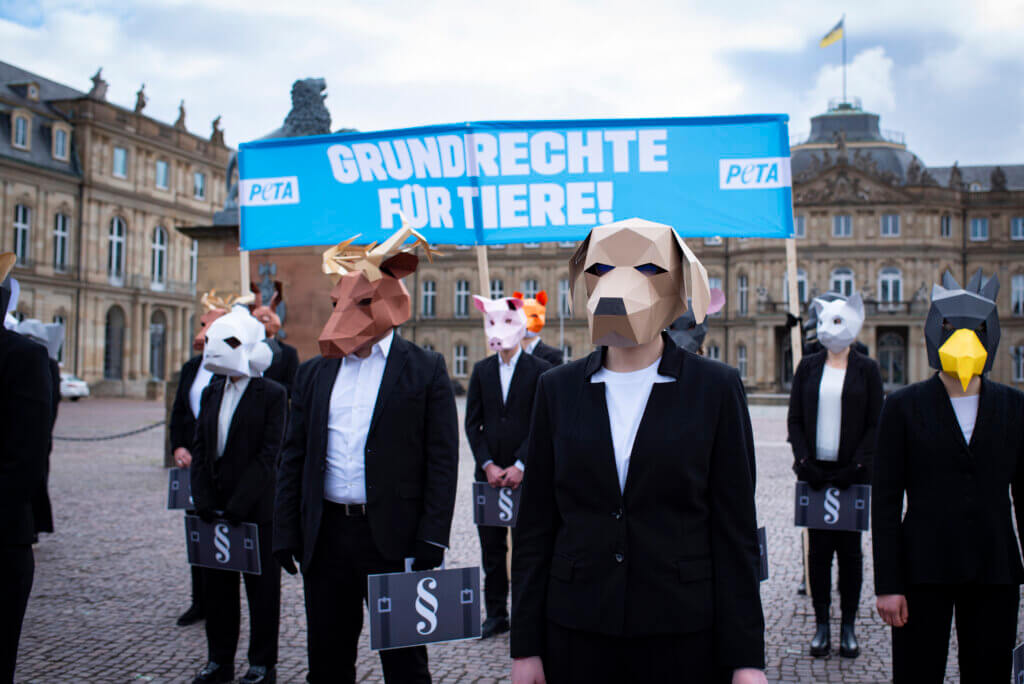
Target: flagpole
844	58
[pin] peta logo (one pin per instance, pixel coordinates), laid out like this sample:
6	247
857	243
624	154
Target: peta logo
265	192
753	174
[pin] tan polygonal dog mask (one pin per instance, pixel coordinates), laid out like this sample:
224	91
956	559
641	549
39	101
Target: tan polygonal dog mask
633	270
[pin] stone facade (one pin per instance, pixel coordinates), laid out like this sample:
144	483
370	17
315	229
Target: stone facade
99	222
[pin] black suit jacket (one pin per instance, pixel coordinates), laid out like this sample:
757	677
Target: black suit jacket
42	512
958	526
183	423
861	406
497	429
26	415
286	362
677	551
241	482
412	455
548	353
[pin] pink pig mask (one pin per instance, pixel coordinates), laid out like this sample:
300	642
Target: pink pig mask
504	321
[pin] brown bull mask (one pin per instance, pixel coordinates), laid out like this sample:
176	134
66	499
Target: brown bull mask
267	313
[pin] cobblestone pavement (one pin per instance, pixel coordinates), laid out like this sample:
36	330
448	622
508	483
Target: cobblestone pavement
110	583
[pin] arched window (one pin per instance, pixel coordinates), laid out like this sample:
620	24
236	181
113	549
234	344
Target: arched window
742	295
462	299
115	251
713	351
842	281
113	345
1017	295
22	225
890	285
428	299
892	353
741	360
801	286
158	262
61	230
157	344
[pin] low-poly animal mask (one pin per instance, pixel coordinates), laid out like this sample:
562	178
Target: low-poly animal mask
504	321
50	335
267	313
687	333
368	295
235	345
213	308
535	309
633	271
962	328
839	320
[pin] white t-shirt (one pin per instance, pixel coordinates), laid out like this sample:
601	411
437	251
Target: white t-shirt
626	395
966	410
830	413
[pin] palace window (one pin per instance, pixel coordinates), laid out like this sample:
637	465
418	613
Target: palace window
428	297
20	131
979	229
22	223
162	174
462	299
742	295
530	288
193	263
890	286
60	144
115	251
158	263
564	302
842	225
1017	295
800	226
842	281
741	360
714	352
890	226
1017	228
946	226
801	286
199	185
61	230
120	162
460	360
1017	353
497	288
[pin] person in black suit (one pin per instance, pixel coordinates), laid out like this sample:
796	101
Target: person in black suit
369	467
498	408
953	446
635	554
237	440
192	380
25	423
286	358
833	416
536	315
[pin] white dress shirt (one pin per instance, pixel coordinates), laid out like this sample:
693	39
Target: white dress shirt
505	373
348	423
626	395
830	413
966	410
195	392
233	392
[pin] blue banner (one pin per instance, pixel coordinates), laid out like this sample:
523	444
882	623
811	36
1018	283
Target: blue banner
528	181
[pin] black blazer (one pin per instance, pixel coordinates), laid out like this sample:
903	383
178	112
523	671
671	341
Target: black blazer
497	429
548	353
412	455
241	482
26	415
677	551
183	423
958	527
861	406
286	362
42	512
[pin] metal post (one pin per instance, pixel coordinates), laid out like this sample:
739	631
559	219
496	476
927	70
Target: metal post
844	59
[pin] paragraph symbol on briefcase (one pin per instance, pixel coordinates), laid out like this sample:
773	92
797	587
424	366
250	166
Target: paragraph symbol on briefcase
495	506
832	508
223	546
427	607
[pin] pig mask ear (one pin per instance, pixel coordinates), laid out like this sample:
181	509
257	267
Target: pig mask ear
480	303
515	303
400	265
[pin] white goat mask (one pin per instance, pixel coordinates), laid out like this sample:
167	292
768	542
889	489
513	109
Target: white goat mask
235	345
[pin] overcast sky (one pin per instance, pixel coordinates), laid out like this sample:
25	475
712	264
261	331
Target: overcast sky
947	73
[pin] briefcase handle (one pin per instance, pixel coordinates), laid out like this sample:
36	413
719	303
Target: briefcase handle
409	562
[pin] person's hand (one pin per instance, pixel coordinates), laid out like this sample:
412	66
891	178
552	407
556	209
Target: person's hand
206	514
892	608
812	475
843	477
513	477
748	675
182	457
285	558
528	671
233	518
495	475
428	556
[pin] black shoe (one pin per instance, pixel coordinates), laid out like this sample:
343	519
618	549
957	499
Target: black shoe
848	647
802	588
821	644
494	626
191	616
215	673
259	674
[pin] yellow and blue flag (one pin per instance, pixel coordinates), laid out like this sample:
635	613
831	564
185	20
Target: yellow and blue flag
832	36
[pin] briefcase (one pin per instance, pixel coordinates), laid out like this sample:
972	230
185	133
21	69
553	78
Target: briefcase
832	508
223	546
179	489
495	506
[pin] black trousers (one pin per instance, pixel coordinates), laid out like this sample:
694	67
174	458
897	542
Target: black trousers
17	566
494	552
576	657
846	545
335	587
263	592
986	627
197	587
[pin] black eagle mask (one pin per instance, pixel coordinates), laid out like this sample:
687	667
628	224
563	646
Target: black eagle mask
962	329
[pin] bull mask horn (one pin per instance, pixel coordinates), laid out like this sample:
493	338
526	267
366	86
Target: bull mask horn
345	257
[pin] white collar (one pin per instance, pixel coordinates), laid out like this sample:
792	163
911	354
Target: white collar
383	345
514	361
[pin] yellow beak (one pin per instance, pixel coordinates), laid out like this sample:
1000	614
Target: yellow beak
963	355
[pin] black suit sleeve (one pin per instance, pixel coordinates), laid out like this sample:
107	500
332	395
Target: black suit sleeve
181	415
287	501
26	388
259	471
475	419
204	490
739	620
291	367
534	535
1017	490
795	418
522	453
441	441
888	485
865	454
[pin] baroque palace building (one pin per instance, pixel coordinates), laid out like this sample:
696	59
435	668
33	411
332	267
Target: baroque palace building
869	217
91	194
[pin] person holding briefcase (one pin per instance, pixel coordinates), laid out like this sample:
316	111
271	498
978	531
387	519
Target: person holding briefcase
237	440
833	415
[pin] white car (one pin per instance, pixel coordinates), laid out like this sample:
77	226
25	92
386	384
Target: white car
73	388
